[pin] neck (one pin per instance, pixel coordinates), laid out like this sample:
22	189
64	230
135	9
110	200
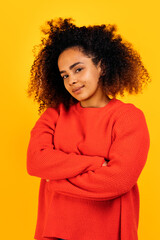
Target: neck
97	103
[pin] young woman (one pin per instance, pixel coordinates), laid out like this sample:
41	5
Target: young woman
87	147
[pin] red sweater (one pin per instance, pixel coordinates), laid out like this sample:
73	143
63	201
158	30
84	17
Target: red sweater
83	199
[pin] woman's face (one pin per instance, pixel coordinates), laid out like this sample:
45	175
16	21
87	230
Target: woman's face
81	77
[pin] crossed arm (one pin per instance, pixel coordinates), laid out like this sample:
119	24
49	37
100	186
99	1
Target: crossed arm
87	178
47	163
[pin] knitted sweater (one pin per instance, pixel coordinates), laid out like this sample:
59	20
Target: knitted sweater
84	200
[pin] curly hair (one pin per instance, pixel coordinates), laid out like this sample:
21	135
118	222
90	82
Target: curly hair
121	65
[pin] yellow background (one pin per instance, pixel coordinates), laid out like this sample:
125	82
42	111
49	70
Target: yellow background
138	21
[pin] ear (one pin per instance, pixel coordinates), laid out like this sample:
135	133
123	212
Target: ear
102	68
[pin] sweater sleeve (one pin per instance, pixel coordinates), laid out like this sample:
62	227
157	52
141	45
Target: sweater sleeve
44	161
127	157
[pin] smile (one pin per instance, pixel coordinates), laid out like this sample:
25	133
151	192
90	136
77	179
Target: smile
77	90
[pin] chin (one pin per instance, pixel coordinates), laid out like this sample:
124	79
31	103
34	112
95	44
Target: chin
80	99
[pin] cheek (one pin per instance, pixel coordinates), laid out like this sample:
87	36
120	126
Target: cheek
66	86
92	76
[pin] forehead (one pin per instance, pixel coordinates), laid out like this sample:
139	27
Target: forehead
70	56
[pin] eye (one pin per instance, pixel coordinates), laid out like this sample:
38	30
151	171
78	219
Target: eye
79	69
64	77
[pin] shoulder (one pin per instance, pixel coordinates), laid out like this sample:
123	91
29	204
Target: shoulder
48	117
127	114
49	113
121	108
129	118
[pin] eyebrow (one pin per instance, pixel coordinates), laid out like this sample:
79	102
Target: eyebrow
72	66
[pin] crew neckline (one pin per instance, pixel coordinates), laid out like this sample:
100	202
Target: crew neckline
80	108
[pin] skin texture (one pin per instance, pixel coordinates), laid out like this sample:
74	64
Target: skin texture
81	78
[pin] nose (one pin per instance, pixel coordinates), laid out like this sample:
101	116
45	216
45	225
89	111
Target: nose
72	80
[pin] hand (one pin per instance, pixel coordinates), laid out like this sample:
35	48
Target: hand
47	180
104	164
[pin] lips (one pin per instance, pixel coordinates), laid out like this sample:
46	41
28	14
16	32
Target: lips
77	89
